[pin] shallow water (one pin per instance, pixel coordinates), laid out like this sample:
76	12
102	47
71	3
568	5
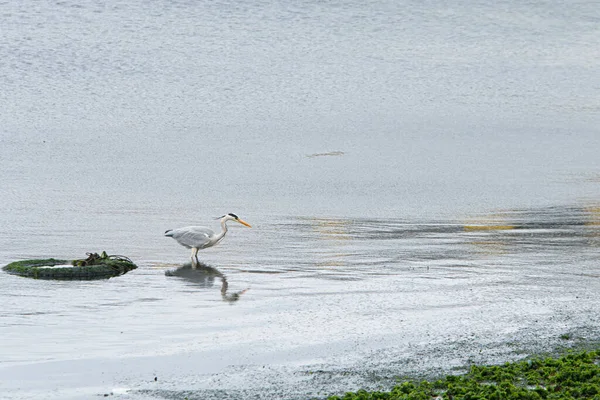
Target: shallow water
322	294
423	184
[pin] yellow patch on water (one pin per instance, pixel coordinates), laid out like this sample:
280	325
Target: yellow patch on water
594	216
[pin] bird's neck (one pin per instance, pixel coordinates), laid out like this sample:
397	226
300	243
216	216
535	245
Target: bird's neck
223	231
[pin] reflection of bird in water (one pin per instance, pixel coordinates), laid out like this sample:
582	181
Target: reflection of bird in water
201	237
204	276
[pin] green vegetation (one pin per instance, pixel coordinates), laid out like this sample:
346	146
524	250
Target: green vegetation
30	267
93	267
572	376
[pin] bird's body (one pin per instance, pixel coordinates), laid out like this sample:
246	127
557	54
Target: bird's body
201	237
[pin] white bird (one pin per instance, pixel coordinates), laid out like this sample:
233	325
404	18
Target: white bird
201	237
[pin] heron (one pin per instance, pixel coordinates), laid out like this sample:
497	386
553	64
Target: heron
201	237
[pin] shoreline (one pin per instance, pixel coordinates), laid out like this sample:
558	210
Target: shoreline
177	376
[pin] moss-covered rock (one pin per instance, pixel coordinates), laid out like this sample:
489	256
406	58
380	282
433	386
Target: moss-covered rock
94	267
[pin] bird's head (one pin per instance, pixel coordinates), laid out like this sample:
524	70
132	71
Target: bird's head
233	217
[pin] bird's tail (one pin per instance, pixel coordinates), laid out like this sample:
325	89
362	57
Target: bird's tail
169	232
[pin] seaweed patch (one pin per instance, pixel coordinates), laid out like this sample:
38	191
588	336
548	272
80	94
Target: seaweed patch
572	376
95	266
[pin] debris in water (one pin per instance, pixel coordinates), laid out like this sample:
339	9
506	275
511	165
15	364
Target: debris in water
331	153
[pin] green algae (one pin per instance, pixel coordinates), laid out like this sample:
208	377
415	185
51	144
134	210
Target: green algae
572	376
100	267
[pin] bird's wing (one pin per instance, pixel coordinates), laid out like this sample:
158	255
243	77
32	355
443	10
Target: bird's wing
193	236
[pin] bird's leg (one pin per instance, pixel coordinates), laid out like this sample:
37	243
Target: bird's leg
194	257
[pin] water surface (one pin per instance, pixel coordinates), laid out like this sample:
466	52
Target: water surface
422	181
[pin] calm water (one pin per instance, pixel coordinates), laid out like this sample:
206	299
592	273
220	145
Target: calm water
423	182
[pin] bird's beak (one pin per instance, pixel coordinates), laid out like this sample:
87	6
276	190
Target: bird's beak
243	223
